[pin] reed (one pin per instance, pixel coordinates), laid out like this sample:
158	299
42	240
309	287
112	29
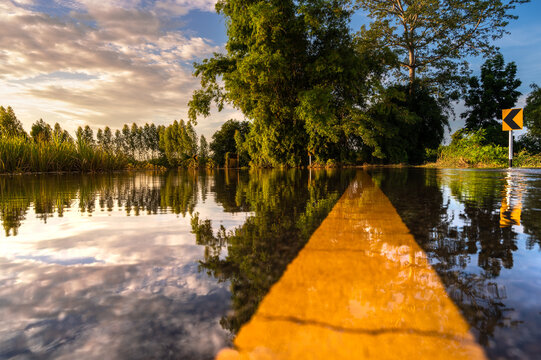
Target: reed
19	155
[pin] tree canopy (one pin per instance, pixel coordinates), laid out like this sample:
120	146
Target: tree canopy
9	124
294	69
431	38
488	95
533	112
41	131
223	140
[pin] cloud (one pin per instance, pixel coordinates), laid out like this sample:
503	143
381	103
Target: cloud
100	63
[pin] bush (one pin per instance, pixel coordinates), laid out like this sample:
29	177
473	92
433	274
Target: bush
470	149
525	159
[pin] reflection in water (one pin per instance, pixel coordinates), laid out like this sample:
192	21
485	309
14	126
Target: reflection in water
107	266
511	208
491	271
360	288
286	212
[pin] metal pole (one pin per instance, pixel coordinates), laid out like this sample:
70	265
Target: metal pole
511	148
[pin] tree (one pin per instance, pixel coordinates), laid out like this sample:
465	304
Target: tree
107	139
495	90
531	141
203	149
533	112
79	134
118	141
99	138
88	135
125	139
179	143
286	63
9	124
61	135
402	126
133	139
223	140
432	37
41	131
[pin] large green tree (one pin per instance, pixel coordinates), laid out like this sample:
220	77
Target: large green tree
432	38
292	67
402	126
488	95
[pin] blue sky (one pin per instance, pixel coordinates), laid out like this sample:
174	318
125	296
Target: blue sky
100	63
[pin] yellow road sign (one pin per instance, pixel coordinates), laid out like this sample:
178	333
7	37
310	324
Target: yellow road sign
512	119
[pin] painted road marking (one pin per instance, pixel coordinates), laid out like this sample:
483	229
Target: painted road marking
360	288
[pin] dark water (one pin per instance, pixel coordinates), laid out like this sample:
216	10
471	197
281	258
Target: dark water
132	266
481	230
141	266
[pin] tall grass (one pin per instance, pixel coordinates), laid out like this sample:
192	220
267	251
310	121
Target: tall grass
18	154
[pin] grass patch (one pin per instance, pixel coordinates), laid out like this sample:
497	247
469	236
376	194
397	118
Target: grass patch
472	150
19	155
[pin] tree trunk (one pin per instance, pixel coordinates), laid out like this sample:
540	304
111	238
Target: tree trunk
411	68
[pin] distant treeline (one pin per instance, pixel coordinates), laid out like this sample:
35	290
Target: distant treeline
51	148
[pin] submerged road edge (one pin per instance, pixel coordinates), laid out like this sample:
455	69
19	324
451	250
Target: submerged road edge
360	288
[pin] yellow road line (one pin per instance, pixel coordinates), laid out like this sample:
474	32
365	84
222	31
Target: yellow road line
360	288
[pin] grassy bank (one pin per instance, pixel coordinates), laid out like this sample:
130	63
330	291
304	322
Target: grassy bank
18	154
473	150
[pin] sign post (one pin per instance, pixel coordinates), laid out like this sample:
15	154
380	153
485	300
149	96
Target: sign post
510	148
512	120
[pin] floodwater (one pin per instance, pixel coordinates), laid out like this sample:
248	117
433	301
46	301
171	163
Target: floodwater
128	266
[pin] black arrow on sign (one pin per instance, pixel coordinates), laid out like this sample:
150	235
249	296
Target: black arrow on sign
509	119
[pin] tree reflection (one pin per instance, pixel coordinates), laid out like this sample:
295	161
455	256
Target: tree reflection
136	194
457	239
287	207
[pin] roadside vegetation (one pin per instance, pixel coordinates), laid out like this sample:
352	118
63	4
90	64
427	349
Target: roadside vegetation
482	143
315	91
53	149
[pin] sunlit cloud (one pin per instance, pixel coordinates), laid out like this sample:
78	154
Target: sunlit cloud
101	63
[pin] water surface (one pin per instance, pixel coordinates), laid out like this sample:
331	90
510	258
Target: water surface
129	266
481	230
172	265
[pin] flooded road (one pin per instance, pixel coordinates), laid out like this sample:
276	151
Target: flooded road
174	265
481	230
138	266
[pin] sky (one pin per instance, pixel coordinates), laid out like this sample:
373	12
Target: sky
107	63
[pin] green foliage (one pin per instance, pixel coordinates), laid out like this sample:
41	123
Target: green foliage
532	115
226	141
41	131
203	150
400	126
60	134
470	149
179	143
527	160
294	69
285	213
17	154
488	96
431	38
9	124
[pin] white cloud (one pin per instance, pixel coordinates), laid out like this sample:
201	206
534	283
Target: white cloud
105	63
